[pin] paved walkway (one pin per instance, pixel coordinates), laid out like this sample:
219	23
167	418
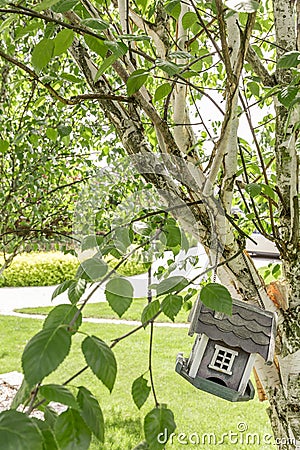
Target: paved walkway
22	297
12	299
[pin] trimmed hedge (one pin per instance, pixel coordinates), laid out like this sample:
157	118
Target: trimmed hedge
39	269
50	268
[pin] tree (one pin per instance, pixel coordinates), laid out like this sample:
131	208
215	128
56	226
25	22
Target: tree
155	71
45	157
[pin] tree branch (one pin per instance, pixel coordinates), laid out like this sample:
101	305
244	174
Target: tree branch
22	10
225	48
71	101
259	68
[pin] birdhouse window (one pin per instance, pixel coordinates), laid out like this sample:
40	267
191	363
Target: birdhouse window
223	359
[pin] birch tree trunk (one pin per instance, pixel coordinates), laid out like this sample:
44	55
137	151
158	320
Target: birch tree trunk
284	401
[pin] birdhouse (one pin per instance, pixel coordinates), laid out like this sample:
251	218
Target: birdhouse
226	347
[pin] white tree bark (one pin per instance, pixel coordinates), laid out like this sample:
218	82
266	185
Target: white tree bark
183	134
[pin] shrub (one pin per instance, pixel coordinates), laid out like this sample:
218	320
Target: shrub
39	269
49	268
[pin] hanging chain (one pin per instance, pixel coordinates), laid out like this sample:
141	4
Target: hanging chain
260	300
216	263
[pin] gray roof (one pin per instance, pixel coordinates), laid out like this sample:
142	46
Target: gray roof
250	328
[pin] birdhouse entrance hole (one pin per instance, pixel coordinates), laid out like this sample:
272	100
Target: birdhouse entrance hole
217	380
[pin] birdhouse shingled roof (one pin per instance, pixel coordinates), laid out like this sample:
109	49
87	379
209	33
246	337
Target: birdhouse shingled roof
250	328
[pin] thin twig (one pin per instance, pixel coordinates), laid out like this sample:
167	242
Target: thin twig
150	366
75	100
22	10
262	163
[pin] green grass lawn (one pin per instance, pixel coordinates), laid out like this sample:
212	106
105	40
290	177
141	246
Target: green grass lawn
103	310
196	412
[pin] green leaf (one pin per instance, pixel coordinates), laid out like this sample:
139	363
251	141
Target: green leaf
118	49
158	425
76	290
64	5
267	190
5	24
173	234
169	67
171	284
123	235
217	297
134	37
63	315
89	241
136	80
45	5
49	442
246	6
42	53
58	393
4	145
162	91
171	305
101	360
44	353
141	228
150	311
173	8
61	288
253	88
287	95
22	394
50	416
91	412
189	19
52	134
63	41
288	60
119	293
253	189
94	268
96	45
71	431
140	391
64	130
19	432
95	24
71	78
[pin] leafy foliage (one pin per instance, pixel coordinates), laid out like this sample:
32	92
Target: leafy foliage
39	269
57	393
44	352
70	428
119	294
101	360
140	391
171	305
91	412
158	425
63	315
217	297
19	431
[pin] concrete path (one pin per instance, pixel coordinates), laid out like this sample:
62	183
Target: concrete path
22	297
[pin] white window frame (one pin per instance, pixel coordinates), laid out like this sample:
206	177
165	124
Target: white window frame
228	353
